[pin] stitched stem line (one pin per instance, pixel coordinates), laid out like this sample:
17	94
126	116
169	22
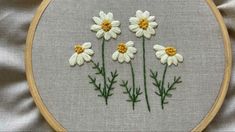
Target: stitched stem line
133	83
133	92
144	74
104	73
97	67
162	91
107	87
133	76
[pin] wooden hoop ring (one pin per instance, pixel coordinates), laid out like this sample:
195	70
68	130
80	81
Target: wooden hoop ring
58	127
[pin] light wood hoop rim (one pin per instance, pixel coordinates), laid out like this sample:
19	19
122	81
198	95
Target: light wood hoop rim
58	127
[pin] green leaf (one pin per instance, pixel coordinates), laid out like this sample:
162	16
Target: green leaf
128	90
97	86
110	94
157	93
111	81
169	95
165	103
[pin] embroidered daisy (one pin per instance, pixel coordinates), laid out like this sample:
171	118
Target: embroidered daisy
168	55
105	26
125	52
82	53
143	24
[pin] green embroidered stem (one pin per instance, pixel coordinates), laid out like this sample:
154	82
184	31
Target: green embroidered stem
162	92
156	83
112	81
144	74
169	88
104	73
97	86
133	93
107	87
133	83
97	67
133	97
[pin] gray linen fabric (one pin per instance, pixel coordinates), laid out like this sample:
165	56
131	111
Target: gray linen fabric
193	30
17	108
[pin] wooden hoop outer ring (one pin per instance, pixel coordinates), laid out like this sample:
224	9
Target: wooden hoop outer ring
58	127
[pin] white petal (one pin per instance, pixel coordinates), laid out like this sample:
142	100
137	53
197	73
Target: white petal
139	33
174	60
158	47
113	34
115	23
80	60
73	59
107	35
130	53
134	28
109	16
147	34
89	51
127	58
169	61
97	20
139	14
153	24
151	18
146	14
160	53
116	30
95	27
130	44
151	30
121	58
86	45
115	55
133	20
179	57
132	49
102	15
86	57
100	34
164	59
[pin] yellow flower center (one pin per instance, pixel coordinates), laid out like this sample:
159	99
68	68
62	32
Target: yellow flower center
171	51
122	48
106	25
79	49
143	23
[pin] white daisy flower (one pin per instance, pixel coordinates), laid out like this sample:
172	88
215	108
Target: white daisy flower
168	55
106	26
125	52
82	53
143	24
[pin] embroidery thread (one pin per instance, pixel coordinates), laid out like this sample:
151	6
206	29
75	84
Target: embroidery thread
143	25
82	53
124	53
167	56
106	28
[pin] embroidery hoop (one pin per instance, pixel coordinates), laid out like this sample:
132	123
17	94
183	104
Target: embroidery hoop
58	127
